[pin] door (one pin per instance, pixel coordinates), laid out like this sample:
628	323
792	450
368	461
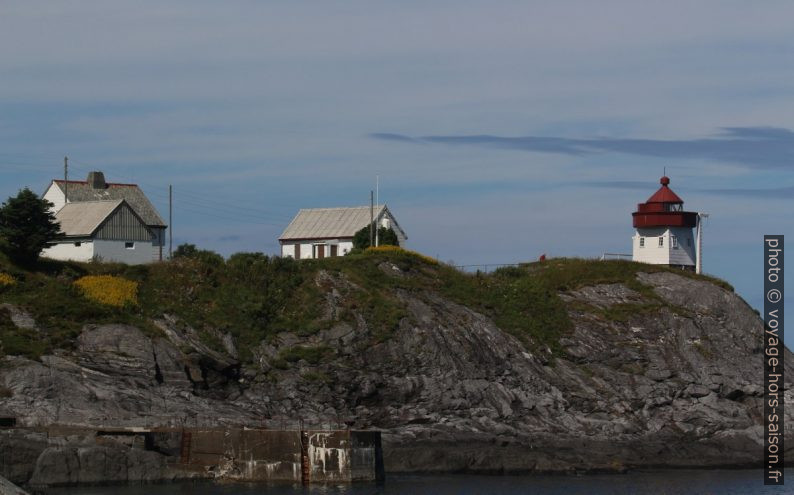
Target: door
297	251
321	251
334	250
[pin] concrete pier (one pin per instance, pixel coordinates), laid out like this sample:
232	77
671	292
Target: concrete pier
252	454
309	456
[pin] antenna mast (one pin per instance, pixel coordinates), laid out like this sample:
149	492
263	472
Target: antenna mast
65	180
170	220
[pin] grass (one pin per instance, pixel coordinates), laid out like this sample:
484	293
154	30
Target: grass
310	354
255	297
19	342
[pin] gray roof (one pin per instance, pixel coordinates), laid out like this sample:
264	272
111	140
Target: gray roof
329	223
131	193
83	218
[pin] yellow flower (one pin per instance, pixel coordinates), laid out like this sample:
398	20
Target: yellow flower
6	279
110	290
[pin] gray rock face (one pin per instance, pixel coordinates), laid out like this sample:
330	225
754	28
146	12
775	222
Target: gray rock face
8	488
679	386
95	464
18	454
20	318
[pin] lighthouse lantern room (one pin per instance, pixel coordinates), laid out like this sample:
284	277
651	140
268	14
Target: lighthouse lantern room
663	230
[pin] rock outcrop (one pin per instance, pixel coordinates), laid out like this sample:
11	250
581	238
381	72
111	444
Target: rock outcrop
673	378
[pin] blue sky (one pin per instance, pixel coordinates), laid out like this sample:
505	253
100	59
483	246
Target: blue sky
500	130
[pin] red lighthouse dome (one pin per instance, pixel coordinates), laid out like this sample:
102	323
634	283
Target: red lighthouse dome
663	209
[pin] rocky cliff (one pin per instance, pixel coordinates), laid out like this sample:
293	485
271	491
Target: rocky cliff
650	368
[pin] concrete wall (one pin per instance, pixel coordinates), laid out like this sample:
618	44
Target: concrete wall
142	252
276	455
329	456
67	251
307	248
115	251
250	455
366	457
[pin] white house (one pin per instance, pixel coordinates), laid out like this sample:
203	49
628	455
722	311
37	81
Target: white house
105	230
94	188
325	232
663	230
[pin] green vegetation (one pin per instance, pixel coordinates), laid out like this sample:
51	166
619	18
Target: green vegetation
386	237
312	355
18	342
255	297
26	225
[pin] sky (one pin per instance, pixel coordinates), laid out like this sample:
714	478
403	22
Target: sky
499	130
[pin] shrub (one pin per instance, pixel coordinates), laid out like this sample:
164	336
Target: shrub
205	256
110	290
27	224
386	236
6	279
399	250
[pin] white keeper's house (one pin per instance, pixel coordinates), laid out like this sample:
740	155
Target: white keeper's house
326	232
105	221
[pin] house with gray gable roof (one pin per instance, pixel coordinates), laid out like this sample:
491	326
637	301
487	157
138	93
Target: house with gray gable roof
106	230
328	232
96	190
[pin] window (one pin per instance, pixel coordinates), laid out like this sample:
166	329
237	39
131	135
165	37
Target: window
661	242
674	242
642	242
129	245
78	244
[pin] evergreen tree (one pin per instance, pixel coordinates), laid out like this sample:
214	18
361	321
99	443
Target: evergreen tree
26	225
386	237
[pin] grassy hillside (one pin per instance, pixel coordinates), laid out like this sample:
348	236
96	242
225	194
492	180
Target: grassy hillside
254	297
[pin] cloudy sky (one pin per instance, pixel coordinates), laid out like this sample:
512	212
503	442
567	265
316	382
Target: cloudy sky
500	130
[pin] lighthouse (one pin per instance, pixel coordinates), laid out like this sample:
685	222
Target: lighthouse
663	231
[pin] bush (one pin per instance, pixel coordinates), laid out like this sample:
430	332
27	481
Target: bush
27	224
190	251
110	290
386	237
6	279
400	251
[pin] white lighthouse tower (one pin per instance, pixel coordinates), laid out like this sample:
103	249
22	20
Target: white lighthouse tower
663	234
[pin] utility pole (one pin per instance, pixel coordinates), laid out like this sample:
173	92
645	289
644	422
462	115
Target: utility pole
65	180
371	217
170	220
377	199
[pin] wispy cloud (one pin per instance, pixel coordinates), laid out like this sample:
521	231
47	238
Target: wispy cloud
775	192
785	192
753	147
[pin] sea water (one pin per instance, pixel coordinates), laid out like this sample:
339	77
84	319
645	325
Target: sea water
678	482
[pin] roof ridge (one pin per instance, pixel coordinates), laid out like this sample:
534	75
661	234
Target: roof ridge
127	184
342	207
96	201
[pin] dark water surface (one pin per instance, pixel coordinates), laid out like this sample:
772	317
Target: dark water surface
684	482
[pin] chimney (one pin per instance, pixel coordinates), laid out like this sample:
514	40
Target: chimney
97	180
